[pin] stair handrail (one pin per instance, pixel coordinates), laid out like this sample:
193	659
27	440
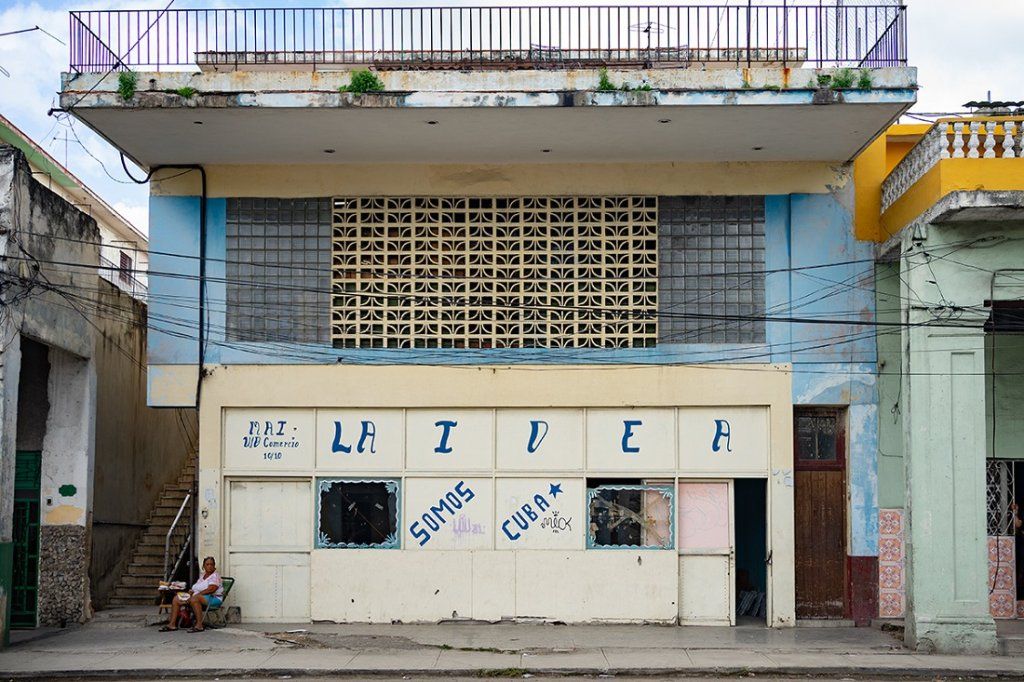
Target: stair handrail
170	532
185	547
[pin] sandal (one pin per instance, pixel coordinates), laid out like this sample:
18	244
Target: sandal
167	628
196	629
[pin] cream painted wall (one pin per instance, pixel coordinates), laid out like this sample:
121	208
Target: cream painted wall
382	586
284	181
573	584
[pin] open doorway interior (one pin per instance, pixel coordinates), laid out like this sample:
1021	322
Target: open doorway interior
750	515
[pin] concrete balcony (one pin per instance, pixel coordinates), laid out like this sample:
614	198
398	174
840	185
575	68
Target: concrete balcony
709	83
962	169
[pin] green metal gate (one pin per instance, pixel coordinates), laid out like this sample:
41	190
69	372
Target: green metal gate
25	584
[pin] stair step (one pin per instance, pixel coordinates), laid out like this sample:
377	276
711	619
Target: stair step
160	540
149	582
132	601
136	591
153	550
137	585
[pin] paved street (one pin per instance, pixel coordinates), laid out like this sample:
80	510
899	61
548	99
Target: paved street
118	644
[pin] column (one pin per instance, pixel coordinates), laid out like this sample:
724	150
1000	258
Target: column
944	437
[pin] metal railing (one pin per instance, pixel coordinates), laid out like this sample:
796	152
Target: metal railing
510	37
168	570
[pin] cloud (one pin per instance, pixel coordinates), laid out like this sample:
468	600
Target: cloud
960	57
35	62
136	214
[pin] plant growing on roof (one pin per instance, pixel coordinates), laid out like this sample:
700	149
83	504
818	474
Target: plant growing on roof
604	83
843	78
362	81
127	81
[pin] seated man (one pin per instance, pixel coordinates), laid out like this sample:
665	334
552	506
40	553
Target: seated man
207	590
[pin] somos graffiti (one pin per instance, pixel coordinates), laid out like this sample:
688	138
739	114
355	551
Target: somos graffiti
438	515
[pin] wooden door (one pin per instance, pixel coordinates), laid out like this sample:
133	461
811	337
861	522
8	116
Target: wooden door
820	505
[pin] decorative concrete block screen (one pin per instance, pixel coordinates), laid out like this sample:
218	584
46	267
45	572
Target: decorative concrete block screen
470	272
711	263
278	260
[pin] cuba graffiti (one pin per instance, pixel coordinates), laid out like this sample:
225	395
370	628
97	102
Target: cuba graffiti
529	515
438	515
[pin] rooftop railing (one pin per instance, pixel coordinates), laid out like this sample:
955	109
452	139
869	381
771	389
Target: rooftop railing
500	37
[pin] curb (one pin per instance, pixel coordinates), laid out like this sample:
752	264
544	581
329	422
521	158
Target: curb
873	672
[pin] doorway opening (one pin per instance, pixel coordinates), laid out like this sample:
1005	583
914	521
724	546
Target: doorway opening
33	409
751	522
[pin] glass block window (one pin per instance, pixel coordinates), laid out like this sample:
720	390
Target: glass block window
711	253
278	270
462	272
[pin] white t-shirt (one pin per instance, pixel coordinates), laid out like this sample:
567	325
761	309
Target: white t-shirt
203	583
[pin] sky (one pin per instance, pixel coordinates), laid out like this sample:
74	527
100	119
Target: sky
958	61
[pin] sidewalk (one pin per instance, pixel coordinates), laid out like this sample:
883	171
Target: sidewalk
118	644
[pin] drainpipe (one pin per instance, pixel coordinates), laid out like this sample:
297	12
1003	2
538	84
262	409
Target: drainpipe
202	252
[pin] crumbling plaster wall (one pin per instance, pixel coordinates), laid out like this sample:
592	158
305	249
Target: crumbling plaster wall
42	234
138	449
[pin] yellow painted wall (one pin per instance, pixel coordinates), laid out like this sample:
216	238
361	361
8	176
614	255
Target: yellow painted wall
245	386
870	170
509	180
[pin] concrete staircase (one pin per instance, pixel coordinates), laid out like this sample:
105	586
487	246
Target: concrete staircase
137	585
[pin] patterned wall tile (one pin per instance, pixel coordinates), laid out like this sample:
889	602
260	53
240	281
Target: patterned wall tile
1002	584
891	583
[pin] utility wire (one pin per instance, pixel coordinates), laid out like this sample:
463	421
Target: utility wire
330	352
466	299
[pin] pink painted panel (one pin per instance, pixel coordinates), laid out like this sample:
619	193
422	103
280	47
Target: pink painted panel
704	516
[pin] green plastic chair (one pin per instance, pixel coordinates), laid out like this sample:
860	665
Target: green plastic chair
212	616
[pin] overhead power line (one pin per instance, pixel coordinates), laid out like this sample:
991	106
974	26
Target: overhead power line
466	299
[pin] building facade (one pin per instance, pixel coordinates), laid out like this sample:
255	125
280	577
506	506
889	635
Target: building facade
83	457
495	341
943	202
124	251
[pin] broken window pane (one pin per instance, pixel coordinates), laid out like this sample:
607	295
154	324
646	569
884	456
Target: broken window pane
631	516
357	513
